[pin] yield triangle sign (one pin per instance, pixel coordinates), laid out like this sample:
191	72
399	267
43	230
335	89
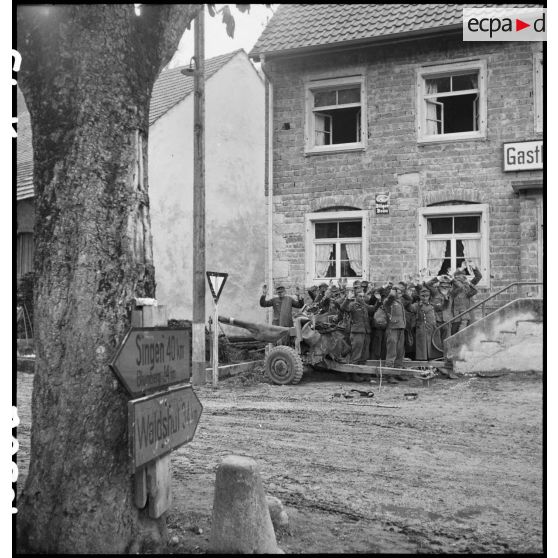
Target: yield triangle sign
216	282
519	25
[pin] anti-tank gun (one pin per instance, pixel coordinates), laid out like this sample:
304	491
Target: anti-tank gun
315	342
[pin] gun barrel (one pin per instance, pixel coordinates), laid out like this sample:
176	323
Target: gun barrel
261	332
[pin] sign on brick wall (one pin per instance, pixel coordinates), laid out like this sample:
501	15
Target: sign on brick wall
382	203
523	155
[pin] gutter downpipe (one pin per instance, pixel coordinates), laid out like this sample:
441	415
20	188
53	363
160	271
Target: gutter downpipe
269	149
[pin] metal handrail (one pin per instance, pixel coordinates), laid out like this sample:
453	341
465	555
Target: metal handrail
481	303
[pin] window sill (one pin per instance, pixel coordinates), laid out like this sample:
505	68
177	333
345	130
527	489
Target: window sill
345	148
450	138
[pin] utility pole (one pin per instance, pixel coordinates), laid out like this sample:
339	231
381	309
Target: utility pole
198	300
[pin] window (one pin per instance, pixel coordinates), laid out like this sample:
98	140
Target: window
452	102
451	234
24	254
335	246
538	91
335	114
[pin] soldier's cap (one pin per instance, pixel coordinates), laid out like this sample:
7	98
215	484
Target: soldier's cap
322	285
279	288
402	285
357	283
333	289
444	279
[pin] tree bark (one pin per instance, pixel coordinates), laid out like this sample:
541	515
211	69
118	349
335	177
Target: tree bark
87	73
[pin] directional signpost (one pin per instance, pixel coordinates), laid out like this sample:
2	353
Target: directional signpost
152	358
148	360
216	282
161	422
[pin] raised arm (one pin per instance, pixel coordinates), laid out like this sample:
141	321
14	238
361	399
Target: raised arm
263	302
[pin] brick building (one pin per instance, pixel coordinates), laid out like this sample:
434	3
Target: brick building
387	146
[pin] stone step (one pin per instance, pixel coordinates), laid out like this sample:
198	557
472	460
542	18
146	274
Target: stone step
507	338
529	327
490	346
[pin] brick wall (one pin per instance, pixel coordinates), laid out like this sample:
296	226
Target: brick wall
416	175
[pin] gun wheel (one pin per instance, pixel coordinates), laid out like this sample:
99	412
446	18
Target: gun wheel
283	365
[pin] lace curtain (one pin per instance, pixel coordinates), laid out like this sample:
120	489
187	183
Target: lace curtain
323	253
435	256
472	250
354	255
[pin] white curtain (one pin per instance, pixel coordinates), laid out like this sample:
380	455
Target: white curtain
435	256
354	256
323	252
472	250
431	113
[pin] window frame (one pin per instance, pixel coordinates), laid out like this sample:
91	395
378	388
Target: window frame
538	86
310	243
446	70
310	147
480	209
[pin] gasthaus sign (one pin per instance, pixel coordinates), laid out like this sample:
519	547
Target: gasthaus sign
152	358
523	155
161	422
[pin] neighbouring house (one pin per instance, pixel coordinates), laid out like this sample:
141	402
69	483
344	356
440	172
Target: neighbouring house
25	192
234	184
235	198
396	146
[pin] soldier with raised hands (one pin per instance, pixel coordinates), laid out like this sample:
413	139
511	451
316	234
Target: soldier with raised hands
282	305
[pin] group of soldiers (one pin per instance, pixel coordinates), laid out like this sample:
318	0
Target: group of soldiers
399	320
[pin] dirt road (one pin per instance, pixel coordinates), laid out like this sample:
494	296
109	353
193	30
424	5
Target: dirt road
459	469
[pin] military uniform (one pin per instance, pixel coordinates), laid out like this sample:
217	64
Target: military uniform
395	332
425	320
360	313
461	295
282	308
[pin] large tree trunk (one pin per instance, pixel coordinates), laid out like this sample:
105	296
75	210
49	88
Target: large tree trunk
87	74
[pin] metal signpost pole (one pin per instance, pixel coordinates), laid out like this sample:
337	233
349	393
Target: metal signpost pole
198	300
216	281
215	346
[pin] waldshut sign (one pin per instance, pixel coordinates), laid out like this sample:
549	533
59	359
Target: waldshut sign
152	358
161	422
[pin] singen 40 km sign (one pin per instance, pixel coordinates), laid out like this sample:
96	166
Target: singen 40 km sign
152	358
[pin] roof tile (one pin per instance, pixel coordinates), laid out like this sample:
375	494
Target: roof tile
296	26
170	88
